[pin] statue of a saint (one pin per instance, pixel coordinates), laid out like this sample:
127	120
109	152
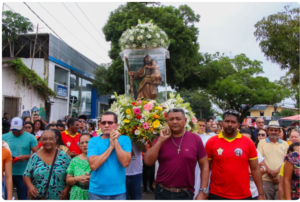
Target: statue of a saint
151	79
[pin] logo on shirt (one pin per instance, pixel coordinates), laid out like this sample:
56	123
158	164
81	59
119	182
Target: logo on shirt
68	144
220	151
281	148
238	152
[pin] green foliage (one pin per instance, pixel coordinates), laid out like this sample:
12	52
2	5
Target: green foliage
286	112
14	24
234	82
178	25
286	82
32	78
279	39
199	102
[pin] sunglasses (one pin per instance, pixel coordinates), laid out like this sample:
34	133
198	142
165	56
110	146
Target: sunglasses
107	122
261	134
15	130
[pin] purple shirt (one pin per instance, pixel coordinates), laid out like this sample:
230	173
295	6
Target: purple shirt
178	170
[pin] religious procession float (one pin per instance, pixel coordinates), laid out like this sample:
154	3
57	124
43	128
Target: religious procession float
142	111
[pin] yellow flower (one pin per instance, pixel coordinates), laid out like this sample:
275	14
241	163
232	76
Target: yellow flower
126	121
145	102
128	111
159	108
156	123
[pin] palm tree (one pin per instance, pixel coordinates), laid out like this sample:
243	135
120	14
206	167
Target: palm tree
286	112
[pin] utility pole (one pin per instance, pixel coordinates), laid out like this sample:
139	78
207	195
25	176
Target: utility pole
37	30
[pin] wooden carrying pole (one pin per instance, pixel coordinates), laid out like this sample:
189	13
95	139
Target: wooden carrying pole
131	77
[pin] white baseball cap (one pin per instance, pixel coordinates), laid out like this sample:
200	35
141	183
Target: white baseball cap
16	123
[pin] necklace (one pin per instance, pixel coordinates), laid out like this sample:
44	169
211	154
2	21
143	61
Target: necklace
179	143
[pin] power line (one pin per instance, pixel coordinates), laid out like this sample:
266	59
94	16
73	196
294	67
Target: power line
83	26
69	31
55	33
90	21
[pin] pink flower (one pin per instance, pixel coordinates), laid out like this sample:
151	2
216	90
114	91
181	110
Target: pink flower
194	120
148	107
139	102
137	111
145	126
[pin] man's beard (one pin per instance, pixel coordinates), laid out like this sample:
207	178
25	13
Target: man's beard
273	137
229	132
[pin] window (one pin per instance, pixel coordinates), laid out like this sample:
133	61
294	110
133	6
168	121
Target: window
262	113
248	113
102	108
61	76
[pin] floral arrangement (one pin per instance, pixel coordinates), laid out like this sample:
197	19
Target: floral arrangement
144	35
142	120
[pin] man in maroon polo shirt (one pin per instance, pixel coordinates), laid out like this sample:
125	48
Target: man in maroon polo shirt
178	151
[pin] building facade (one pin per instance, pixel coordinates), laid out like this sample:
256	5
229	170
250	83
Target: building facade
66	71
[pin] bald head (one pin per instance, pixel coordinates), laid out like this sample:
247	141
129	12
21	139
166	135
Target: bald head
260	123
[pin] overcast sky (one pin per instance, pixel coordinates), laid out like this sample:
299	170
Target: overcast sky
224	27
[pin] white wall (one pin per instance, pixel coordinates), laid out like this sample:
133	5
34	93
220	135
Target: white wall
38	65
29	95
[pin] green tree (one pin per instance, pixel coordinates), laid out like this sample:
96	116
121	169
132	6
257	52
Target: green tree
286	112
235	84
14	24
177	23
199	102
279	39
286	82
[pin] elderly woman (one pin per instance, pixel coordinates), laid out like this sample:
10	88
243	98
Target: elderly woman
49	161
291	174
79	171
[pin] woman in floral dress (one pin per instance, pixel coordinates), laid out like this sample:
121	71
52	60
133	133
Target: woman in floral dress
38	169
79	172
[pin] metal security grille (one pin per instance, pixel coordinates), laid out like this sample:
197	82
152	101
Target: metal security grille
11	106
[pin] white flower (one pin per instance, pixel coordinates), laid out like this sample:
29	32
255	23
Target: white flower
162	41
143	140
137	30
146	114
142	120
154	132
134	45
127	46
143	45
154	45
150	30
148	36
130	31
158	35
140	37
131	38
137	132
142	31
123	34
128	116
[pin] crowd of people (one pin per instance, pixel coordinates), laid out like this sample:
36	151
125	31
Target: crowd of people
70	159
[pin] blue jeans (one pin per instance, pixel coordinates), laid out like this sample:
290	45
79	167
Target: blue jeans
3	188
163	194
133	187
102	197
21	187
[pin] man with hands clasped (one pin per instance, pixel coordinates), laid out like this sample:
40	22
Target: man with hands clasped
177	152
108	156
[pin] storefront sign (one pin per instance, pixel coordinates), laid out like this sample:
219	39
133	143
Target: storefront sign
62	91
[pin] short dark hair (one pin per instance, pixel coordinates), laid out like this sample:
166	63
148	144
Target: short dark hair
60	125
246	130
5	114
85	134
50	125
231	112
71	121
92	125
82	117
176	110
292	147
110	113
36	115
208	118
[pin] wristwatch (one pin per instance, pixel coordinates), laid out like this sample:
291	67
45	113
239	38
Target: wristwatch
205	190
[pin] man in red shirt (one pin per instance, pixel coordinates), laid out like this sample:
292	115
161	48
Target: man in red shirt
70	137
230	155
178	151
